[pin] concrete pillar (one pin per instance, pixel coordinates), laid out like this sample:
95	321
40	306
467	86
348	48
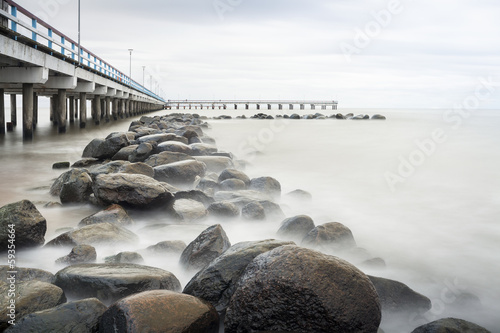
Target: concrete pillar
290	106
236	106
280	106
71	109
53	107
115	108
269	106
61	110
13	109
107	108
27	111
123	113
258	106
35	110
83	110
313	107
2	111
302	107
96	110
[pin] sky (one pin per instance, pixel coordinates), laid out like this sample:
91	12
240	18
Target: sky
362	53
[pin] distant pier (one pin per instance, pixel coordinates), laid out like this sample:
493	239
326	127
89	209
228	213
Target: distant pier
246	104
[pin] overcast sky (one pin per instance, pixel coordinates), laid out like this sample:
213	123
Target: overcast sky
363	53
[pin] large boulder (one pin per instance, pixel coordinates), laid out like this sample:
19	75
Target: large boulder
130	190
77	317
450	325
216	163
267	185
90	150
27	274
296	227
332	236
179	173
30	296
232	185
141	153
202	149
174	146
78	255
253	211
216	283
72	174
96	234
167	248
110	146
124	153
110	282
223	209
77	189
138	168
206	247
189	210
234	174
160	311
296	289
106	168
166	157
125	258
395	296
21	225
115	214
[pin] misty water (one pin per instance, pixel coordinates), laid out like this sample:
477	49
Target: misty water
420	190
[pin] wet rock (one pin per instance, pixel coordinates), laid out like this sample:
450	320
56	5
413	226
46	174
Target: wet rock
378	117
272	209
72	174
157	138
125	258
339	116
129	190
189	210
205	248
234	174
115	214
232	185
247	195
61	165
77	188
27	274
216	163
110	282
267	185
223	209
300	195
167	247
138	169
294	116
109	147
90	150
332	236
208	184
29	226
253	211
78	255
376	263
124	153
278	292
78	317
95	234
174	146
141	153
296	227
450	325
160	311
85	162
166	157
30	296
202	149
395	296
194	195
178	173
216	283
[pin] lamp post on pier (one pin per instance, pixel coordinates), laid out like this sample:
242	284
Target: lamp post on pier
130	75
79	52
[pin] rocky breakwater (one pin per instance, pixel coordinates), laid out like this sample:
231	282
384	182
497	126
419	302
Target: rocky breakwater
167	165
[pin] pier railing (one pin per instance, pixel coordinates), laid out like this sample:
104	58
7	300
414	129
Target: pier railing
48	39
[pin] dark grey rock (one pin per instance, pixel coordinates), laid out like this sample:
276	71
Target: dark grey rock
27	274
125	258
115	214
450	325
234	174
253	211
223	209
332	236
174	146
232	184
29	226
166	157
141	153
189	210
178	173
91	148
167	247
296	227
267	185
138	169
61	165
78	255
216	163
112	145
77	188
124	153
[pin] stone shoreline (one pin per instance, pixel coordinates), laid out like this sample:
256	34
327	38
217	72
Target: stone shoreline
167	164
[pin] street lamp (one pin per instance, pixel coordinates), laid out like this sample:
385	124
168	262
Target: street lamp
130	76
79	52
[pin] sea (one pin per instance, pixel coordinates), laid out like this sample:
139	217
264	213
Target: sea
421	190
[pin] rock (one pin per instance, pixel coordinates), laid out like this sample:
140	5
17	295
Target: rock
216	163
24	222
232	184
253	211
376	263
106	168
395	296
72	174
189	210
115	214
294	116
205	248
78	255
91	148
110	282
247	195
109	147
61	165
27	274
223	209
160	311
178	173
95	234
202	149
78	317
30	296
234	174
378	117
124	153
267	185
296	227
339	116
138	169
278	292
85	162
273	210
129	190
125	258
300	195
216	283
157	138
166	157
194	195
141	153
174	146
450	325
167	247
332	236
77	189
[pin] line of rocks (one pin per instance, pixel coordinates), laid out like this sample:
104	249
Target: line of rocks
169	165
317	115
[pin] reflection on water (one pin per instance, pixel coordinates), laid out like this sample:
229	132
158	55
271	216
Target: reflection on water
436	226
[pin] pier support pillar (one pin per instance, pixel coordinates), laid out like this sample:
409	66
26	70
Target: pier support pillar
236	106
13	110
61	110
53	107
258	106
290	106
83	110
123	113
269	106
27	111
35	110
96	110
280	106
71	109
115	108
313	107
107	104
2	111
